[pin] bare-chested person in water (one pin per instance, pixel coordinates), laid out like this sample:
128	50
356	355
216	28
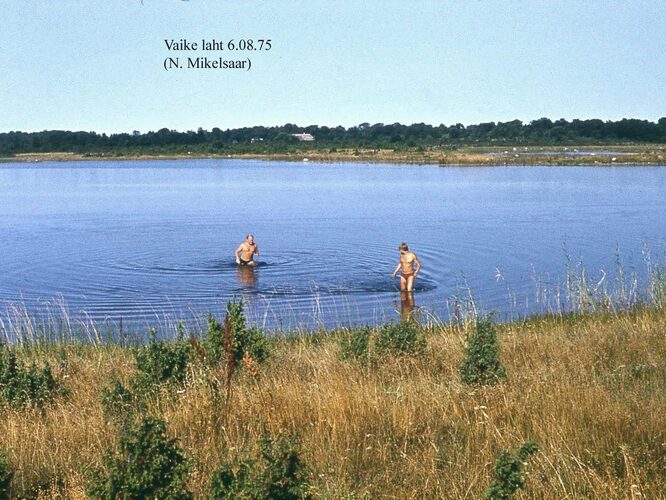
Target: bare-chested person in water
246	251
409	266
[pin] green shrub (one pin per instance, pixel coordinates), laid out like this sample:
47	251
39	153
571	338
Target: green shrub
21	386
355	344
508	476
148	465
365	344
278	473
250	340
119	403
482	364
403	337
6	475
284	473
161	362
233	480
214	341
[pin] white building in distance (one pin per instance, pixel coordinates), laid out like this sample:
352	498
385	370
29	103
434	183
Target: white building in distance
304	137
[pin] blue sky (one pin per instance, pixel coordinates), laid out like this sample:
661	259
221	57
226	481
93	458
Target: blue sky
97	65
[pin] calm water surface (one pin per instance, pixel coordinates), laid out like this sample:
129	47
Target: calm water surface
152	240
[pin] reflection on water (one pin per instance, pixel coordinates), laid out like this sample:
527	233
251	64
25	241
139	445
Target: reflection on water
140	239
247	277
406	305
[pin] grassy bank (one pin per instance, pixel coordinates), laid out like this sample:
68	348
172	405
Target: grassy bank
651	154
589	389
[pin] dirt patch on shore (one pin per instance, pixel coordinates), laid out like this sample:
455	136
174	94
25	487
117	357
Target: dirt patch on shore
37	157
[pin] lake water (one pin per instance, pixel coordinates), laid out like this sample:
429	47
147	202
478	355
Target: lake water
149	240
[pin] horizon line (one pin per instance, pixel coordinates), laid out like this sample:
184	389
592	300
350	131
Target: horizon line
363	124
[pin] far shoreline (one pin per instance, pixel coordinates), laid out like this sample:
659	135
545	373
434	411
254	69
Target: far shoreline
606	155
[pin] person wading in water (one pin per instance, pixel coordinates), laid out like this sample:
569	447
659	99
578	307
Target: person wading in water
246	251
409	266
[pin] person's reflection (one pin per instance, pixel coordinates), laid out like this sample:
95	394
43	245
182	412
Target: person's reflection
406	306
246	276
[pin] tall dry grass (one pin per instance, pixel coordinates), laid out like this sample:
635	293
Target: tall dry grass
590	389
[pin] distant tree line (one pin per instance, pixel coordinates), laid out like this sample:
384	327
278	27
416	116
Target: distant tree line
394	136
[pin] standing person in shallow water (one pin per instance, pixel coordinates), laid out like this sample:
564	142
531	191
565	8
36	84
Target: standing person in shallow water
409	266
246	251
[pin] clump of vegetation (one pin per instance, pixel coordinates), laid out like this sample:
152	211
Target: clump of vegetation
364	344
148	464
21	386
403	337
508	476
6	476
251	340
482	364
214	341
119	403
355	344
278	472
161	362
284	472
